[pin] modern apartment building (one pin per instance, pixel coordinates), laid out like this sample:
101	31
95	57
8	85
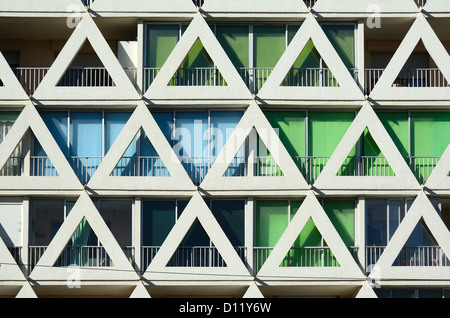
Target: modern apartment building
214	148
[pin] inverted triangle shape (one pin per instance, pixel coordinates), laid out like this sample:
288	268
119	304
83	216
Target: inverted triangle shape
11	88
86	30
310	29
254	118
196	209
439	178
198	29
367	118
420	30
421	208
311	208
84	208
29	118
141	118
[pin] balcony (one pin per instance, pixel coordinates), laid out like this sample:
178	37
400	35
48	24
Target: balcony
311	256
192	256
362	166
409	256
253	77
31	77
198	167
417	77
83	256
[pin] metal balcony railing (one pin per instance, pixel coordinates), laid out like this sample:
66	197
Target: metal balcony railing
362	166
83	256
253	77
191	256
87	3
141	166
420	3
418	77
198	167
31	77
311	256
409	256
310	3
198	76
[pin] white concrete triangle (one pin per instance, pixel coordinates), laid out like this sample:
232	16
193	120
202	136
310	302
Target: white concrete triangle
253	292
29	118
198	29
367	7
366	291
11	88
254	118
26	292
310	29
439	178
420	209
311	209
420	30
140	291
86	30
197	209
140	6
254	6
84	208
141	118
9	269
367	118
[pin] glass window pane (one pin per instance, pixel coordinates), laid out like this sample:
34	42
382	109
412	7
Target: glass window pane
222	124
430	133
376	222
191	139
231	214
114	123
158	218
161	40
11	223
326	130
342	215
395	212
118	216
342	37
86	134
269	45
234	40
7	119
46	219
57	124
271	221
291	130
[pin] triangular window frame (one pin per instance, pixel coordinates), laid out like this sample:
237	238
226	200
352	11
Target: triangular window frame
86	30
310	30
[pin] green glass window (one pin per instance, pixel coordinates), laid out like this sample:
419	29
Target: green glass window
234	40
161	40
271	221
269	45
342	37
325	131
430	133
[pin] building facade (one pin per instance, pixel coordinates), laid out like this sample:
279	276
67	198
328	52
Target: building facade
224	148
